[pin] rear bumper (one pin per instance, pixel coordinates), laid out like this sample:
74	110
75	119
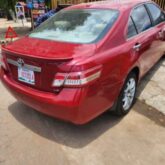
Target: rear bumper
78	106
64	106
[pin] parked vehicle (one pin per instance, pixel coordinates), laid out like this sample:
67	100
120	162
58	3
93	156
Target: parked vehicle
86	59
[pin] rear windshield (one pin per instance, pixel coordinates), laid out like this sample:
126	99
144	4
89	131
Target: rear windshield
77	26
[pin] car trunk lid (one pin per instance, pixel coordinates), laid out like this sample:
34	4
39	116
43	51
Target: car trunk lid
45	49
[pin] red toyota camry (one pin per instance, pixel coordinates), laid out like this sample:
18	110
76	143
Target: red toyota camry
86	59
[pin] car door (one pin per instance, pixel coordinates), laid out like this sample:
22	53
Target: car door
143	43
158	20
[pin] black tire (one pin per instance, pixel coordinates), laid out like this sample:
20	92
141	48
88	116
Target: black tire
120	109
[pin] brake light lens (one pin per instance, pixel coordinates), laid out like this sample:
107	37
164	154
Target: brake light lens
77	79
2	62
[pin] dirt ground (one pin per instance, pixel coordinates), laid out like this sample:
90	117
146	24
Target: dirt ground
18	27
152	89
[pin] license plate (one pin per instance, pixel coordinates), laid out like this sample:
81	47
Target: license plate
26	75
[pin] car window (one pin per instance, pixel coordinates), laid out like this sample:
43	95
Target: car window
131	29
77	26
157	15
141	18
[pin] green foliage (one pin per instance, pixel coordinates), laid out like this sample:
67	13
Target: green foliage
7	4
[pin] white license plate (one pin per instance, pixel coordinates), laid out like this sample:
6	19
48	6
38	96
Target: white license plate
26	75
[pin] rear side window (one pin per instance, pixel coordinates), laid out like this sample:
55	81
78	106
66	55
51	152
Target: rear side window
141	18
157	15
131	29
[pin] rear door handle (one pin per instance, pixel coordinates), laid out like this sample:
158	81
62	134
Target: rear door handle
137	47
161	34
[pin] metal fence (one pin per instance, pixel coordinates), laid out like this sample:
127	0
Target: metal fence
73	2
161	3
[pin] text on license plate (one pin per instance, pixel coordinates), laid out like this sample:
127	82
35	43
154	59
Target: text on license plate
26	75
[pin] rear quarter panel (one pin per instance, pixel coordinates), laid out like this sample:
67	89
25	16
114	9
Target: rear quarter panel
117	58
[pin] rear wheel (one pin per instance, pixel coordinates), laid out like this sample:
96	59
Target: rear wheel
127	96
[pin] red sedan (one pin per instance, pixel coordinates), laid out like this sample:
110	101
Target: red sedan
86	59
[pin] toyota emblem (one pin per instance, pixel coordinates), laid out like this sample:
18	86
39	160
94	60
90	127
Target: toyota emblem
20	62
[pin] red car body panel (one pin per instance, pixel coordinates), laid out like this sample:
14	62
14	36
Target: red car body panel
45	50
114	53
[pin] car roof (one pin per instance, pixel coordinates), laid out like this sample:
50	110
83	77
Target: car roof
109	4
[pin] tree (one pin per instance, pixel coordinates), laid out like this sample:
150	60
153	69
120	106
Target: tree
6	5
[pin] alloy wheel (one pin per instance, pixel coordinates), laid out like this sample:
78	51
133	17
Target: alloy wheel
129	94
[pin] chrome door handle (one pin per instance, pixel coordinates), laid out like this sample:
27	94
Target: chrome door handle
137	47
161	34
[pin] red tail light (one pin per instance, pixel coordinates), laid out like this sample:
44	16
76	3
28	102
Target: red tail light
77	79
2	61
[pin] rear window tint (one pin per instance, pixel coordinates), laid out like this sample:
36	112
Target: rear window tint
77	26
131	29
157	15
141	18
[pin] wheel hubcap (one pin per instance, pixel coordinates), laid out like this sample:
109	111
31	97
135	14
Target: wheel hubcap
129	94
